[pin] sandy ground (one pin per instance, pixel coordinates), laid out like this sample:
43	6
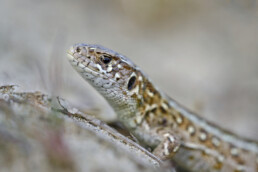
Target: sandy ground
204	54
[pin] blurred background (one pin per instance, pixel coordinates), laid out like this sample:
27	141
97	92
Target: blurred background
204	54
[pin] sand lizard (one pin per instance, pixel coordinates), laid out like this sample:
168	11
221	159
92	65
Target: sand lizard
159	122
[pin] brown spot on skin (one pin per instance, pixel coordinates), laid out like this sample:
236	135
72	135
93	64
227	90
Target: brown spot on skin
152	100
151	89
126	67
146	97
238	170
174	117
191	157
204	153
235	154
134	96
239	160
139	102
163	110
91	50
160	130
154	110
97	69
218	166
164	121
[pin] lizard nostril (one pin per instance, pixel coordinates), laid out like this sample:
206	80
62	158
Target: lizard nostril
77	49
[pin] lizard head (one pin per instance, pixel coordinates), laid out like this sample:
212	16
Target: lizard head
111	73
130	93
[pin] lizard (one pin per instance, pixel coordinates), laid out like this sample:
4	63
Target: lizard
159	122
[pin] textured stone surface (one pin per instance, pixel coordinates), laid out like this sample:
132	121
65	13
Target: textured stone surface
36	138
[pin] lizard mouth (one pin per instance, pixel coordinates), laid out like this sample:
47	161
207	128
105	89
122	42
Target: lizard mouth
84	64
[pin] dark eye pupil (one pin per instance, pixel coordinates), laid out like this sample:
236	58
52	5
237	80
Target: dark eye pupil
78	49
131	83
106	60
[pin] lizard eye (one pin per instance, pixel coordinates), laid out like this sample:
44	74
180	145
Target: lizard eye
106	59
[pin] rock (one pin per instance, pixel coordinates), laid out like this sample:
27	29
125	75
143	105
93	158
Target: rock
42	133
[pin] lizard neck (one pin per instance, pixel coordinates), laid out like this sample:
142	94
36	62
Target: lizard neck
158	111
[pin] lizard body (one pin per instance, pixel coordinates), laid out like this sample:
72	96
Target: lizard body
159	122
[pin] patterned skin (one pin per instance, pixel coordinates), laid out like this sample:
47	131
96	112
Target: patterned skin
158	121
